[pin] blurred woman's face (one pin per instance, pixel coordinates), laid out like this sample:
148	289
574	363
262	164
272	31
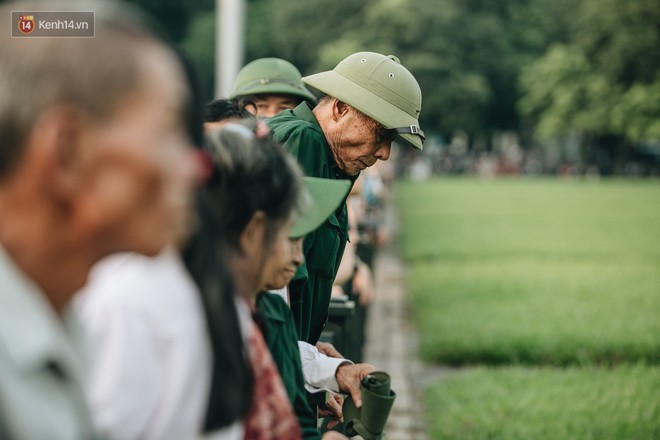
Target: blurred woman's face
288	266
276	255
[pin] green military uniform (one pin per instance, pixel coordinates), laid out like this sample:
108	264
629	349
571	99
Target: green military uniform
282	340
299	131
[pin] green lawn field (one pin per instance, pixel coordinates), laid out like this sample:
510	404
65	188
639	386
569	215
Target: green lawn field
522	274
515	403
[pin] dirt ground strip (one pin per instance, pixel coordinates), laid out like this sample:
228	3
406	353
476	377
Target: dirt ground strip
392	340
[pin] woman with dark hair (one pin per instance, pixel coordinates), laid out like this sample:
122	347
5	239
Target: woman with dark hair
250	200
256	202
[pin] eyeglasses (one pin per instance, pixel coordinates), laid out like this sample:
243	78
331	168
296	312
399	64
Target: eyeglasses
385	134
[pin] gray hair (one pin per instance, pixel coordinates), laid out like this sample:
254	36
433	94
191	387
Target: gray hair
94	74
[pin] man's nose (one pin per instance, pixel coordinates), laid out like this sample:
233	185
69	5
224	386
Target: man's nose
383	151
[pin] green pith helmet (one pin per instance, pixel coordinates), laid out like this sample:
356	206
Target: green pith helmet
270	76
319	198
378	86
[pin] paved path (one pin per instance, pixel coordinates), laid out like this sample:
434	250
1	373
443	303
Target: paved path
391	339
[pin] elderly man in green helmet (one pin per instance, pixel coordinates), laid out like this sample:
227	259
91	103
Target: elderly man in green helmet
272	84
370	100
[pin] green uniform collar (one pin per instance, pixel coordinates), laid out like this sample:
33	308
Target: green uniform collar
304	112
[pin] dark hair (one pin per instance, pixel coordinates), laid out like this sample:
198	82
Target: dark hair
230	391
204	255
222	109
250	174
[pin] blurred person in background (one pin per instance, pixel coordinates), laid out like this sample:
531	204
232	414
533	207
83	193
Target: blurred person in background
85	171
272	85
370	100
354	278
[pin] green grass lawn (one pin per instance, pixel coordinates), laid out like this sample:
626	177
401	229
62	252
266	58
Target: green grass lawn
541	272
547	403
557	284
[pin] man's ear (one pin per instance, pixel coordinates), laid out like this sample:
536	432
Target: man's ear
339	109
253	235
55	142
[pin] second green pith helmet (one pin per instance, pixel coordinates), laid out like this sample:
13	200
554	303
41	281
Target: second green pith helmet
270	76
378	86
319	198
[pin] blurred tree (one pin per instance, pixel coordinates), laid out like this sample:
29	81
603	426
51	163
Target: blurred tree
189	25
259	39
565	93
199	43
604	81
174	16
467	55
296	29
427	36
588	65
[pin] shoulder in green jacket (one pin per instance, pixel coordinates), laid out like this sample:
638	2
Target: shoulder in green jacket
299	131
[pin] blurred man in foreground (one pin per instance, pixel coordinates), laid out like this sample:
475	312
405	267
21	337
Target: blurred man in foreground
92	162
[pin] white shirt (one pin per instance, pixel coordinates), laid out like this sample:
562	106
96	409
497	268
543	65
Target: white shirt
150	355
283	292
318	369
41	394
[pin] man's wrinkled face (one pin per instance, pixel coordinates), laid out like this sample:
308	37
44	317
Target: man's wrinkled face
144	168
267	106
357	142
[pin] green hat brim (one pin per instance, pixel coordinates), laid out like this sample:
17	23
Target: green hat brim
336	85
276	88
321	197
